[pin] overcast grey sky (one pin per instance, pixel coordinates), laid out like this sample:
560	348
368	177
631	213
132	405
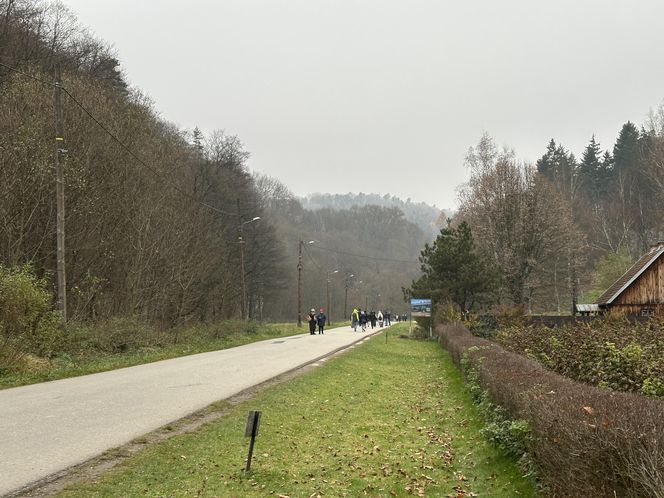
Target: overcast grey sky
386	96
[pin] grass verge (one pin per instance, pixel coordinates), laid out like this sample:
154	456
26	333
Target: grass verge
198	339
382	420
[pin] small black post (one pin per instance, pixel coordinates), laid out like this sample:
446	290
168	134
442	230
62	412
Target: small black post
253	423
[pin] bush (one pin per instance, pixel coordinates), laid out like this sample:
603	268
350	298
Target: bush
612	352
116	335
28	323
585	441
511	436
485	326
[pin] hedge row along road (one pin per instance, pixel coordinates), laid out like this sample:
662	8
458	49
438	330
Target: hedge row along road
49	427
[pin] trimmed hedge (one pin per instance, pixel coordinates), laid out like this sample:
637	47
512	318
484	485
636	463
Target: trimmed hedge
606	352
586	441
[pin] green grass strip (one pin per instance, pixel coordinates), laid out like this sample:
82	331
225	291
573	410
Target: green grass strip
381	420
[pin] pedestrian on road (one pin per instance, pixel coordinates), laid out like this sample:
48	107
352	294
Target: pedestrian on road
380	318
321	319
363	319
354	319
312	321
372	319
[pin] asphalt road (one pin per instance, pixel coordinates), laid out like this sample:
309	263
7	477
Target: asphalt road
49	427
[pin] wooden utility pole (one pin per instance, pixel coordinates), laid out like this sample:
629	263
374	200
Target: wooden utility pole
327	286
299	285
60	195
346	285
241	242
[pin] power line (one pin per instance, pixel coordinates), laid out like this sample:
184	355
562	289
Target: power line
313	261
49	83
143	163
121	144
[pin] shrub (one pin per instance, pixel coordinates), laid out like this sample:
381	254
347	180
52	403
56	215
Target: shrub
585	441
511	436
115	335
485	326
611	353
28	323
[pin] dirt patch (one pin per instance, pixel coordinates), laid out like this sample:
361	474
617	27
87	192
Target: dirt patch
96	467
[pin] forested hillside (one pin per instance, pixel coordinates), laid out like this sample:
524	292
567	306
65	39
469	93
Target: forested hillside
428	218
160	221
152	211
377	245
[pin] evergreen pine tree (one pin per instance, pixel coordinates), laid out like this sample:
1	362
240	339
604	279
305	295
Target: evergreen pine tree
546	165
605	174
626	150
559	166
197	138
590	172
567	172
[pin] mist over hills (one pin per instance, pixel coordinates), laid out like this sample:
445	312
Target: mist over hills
429	218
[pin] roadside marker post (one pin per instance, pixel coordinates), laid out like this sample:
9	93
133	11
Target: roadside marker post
251	430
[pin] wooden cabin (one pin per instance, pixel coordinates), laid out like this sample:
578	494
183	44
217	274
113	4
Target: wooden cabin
640	291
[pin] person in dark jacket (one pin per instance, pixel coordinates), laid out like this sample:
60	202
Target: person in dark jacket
321	319
363	320
372	319
312	321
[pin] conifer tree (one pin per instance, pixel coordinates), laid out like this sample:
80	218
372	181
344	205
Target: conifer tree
454	271
590	172
559	167
626	149
546	165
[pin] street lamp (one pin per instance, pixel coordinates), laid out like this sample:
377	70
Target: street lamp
241	242
357	284
347	285
299	281
329	312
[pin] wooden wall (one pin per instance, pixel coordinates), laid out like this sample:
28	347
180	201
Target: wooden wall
646	292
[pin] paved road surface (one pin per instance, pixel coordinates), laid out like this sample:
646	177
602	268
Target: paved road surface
46	428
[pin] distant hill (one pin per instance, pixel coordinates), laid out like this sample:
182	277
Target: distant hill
425	216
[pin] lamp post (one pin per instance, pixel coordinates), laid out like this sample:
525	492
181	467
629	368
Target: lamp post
347	285
241	242
377	301
329	312
299	281
355	287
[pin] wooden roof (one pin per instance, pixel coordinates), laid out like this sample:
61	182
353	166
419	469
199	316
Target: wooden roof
631	275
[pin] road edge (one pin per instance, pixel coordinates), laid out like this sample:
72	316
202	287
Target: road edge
96	466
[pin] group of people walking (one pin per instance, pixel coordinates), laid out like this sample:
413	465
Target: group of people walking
361	318
358	318
317	320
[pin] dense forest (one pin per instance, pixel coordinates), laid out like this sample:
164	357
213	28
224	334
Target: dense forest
559	231
164	224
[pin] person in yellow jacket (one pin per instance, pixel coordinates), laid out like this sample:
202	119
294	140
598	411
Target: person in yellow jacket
354	319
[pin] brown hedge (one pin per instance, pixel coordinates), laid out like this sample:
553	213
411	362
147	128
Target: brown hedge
586	441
